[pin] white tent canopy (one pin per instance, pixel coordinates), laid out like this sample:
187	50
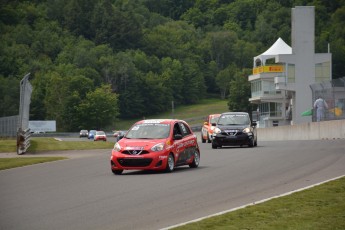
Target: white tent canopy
279	47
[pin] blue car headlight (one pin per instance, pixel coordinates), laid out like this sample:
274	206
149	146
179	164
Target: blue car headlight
246	130
217	130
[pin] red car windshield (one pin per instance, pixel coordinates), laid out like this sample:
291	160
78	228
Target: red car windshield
149	131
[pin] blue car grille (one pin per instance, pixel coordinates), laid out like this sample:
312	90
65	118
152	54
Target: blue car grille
232	133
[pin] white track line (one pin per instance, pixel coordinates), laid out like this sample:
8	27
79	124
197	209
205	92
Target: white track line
250	204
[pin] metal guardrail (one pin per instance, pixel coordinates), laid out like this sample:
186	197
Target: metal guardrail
23	141
23	133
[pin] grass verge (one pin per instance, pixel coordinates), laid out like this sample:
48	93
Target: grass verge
7	163
48	143
184	112
321	207
44	144
8	145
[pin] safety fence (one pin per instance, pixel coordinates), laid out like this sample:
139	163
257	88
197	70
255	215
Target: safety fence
18	125
324	130
23	133
333	92
8	126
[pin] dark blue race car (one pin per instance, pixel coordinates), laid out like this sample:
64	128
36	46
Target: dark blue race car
92	134
234	129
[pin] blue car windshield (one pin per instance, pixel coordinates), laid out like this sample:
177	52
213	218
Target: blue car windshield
149	131
234	119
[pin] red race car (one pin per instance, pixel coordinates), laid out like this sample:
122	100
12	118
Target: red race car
161	144
207	129
100	135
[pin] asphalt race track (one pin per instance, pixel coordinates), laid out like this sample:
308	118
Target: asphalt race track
82	193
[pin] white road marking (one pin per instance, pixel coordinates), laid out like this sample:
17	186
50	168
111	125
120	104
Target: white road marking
250	204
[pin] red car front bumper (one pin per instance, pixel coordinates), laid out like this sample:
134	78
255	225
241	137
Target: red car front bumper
149	161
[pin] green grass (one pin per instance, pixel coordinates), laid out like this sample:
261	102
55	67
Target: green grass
8	145
184	112
7	163
48	143
45	144
321	207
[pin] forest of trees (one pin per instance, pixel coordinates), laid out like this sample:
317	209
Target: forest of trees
93	61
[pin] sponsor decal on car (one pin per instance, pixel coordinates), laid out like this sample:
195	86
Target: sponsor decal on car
136	148
183	144
154	121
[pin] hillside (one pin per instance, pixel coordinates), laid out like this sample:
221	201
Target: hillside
193	114
92	62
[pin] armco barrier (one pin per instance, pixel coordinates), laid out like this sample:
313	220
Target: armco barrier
308	131
23	141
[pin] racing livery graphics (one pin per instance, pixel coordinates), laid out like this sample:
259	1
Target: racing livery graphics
208	127
160	144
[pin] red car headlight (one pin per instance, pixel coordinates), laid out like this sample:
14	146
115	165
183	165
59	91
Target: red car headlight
158	147
117	147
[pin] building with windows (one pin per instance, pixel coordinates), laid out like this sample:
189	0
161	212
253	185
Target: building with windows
282	75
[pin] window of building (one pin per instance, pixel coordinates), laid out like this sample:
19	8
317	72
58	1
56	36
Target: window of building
258	62
256	88
322	72
270	61
268	87
291	73
270	109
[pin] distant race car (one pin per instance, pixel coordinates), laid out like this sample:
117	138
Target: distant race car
83	133
100	135
161	144
208	127
119	134
91	134
234	129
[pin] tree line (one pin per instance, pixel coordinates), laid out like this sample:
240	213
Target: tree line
93	61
